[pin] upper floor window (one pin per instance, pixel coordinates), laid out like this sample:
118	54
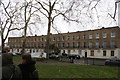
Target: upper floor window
84	36
68	44
34	39
63	38
84	44
73	37
58	39
90	36
104	44
68	37
104	35
42	39
97	44
53	38
113	44
38	45
112	34
90	44
39	40
78	37
58	44
73	44
97	36
42	45
78	44
45	39
63	45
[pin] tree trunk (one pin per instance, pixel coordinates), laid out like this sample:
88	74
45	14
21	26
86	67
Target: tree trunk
3	45
48	39
24	40
48	32
25	30
2	41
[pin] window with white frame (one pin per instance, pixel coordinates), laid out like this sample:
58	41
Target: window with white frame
63	38
63	45
73	37
104	35
90	36
84	36
112	53
104	44
42	45
69	51
104	53
92	53
112	34
73	44
68	44
84	44
78	44
58	39
59	45
45	39
78	37
97	36
39	39
42	39
79	52
113	44
97	44
68	37
53	38
90	44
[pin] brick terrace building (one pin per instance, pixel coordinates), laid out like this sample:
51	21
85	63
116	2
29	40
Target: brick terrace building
100	43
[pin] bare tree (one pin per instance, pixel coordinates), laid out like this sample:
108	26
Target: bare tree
69	10
8	16
26	19
115	12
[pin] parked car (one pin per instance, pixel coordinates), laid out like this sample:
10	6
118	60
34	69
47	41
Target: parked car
74	56
113	62
53	56
14	54
18	53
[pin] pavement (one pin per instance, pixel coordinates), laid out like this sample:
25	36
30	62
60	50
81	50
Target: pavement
83	61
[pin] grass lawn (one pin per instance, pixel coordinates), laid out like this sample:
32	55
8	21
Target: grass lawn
56	69
76	71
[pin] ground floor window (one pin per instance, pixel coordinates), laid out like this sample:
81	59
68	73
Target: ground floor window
30	51
17	50
112	53
68	51
79	52
104	53
12	50
37	50
92	53
63	51
33	50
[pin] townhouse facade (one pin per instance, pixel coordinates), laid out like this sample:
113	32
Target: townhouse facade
99	43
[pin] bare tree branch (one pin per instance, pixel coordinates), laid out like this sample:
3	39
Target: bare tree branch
41	11
16	29
43	7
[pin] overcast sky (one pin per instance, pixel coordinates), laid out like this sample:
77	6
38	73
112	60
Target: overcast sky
103	8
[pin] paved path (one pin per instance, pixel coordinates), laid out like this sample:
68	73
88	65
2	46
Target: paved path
86	61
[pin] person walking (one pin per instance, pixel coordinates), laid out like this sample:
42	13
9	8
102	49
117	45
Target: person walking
27	67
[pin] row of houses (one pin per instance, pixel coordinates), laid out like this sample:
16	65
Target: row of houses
99	43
